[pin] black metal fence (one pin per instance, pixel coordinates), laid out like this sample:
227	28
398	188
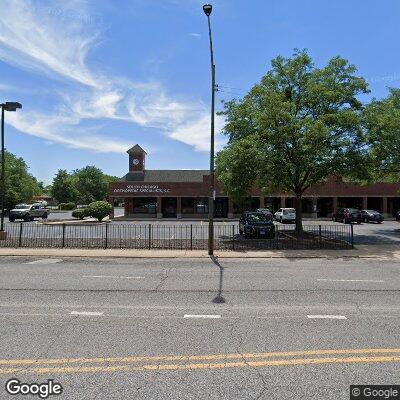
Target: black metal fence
183	237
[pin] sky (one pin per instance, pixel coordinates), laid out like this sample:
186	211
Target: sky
95	77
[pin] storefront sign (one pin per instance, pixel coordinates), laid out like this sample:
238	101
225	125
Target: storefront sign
144	189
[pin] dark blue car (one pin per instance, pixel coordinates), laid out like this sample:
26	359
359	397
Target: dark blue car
256	225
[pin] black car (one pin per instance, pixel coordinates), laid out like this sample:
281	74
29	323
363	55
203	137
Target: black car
347	215
256	225
372	216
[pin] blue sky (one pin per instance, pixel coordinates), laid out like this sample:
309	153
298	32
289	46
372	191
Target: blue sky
96	77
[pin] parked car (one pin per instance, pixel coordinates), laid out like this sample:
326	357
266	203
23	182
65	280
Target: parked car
347	215
372	216
256	225
267	212
28	212
285	215
398	216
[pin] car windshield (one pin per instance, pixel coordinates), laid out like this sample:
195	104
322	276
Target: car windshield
372	212
22	206
259	217
289	211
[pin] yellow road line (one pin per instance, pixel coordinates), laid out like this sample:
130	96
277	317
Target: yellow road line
188	358
175	367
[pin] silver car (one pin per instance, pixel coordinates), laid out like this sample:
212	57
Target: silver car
28	212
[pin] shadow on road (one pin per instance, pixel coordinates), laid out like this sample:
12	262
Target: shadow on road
219	299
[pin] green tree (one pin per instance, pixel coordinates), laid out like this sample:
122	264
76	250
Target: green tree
63	188
382	123
298	126
91	184
20	185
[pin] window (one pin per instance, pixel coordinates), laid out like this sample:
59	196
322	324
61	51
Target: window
188	205
144	205
202	205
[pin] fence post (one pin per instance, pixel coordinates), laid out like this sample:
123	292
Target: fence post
149	236
191	237
233	237
20	235
106	244
352	235
63	235
319	236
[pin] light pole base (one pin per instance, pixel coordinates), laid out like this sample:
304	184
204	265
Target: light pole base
3	235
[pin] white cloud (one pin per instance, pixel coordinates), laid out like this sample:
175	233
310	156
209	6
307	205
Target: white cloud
34	37
65	130
197	133
196	35
55	41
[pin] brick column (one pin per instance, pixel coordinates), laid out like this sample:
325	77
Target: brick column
179	207
283	201
159	207
230	208
385	206
365	203
335	205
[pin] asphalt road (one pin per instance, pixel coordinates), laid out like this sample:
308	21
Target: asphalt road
155	329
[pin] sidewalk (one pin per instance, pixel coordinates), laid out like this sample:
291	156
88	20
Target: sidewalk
362	251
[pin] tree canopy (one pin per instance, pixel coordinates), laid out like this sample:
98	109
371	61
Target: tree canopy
84	185
382	123
298	126
20	185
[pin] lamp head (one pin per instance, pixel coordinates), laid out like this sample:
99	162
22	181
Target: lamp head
11	105
207	8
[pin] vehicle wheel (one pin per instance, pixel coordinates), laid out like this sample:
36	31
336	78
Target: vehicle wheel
27	218
11	219
379	222
358	222
44	216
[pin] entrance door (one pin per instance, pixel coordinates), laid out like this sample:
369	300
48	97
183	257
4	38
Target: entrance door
168	206
221	207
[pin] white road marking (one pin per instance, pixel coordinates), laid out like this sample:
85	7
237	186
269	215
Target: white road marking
87	313
112	277
349	280
201	316
45	261
326	316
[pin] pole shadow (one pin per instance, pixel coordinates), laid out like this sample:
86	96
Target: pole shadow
219	299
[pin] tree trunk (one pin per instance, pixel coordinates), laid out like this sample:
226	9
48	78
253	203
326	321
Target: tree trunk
299	213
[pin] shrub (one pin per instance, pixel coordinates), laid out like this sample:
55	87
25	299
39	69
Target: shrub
67	206
99	209
79	213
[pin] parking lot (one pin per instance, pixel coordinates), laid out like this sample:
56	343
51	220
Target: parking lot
366	233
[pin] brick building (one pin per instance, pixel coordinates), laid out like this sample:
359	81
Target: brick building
184	194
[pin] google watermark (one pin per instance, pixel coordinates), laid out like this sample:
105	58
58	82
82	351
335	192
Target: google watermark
43	390
374	392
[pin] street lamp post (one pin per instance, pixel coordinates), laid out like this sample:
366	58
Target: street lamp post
7	106
207	8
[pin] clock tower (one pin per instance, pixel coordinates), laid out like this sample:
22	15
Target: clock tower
137	157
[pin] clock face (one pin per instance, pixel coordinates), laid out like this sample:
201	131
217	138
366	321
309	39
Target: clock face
135	161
